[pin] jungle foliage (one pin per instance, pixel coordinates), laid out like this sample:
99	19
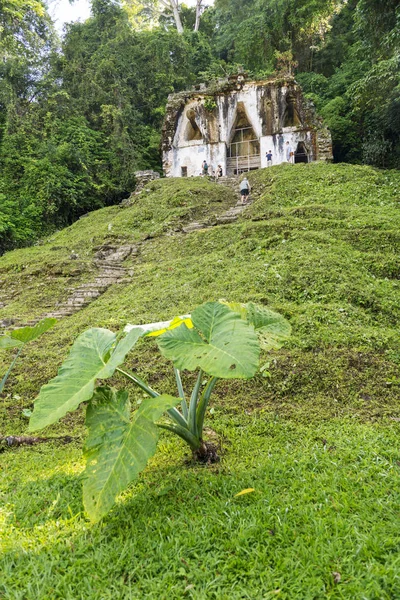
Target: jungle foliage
79	116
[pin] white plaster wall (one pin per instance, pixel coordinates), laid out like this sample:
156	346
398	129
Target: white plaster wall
193	156
179	139
248	95
277	143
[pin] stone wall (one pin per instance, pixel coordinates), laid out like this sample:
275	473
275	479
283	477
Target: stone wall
200	124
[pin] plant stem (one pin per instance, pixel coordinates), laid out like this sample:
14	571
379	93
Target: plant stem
177	417
183	433
181	392
203	403
152	393
193	404
173	412
4	380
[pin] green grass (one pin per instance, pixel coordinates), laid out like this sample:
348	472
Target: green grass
326	501
318	440
27	274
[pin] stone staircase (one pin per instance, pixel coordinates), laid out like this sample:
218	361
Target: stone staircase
108	260
231	181
230	215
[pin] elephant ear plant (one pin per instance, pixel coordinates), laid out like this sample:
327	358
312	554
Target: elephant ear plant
220	340
18	338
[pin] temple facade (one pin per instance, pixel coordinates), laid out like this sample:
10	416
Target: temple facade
236	122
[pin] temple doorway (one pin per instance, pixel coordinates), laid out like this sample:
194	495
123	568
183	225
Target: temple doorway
301	154
244	147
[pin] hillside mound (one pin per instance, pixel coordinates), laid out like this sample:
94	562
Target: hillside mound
319	243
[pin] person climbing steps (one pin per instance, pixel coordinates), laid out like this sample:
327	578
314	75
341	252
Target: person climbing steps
245	190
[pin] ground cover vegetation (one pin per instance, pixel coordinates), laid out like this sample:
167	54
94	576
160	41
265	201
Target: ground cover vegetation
79	116
314	434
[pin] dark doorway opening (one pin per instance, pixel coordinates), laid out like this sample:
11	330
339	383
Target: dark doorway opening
301	154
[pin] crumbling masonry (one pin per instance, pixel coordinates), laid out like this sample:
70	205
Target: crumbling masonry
235	122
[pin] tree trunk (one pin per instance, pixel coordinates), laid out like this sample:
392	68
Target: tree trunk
175	9
198	14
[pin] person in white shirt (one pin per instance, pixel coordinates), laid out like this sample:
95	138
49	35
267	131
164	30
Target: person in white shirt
244	190
289	153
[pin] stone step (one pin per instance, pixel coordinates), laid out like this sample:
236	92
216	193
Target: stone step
61	314
109	275
237	210
112	273
76	302
226	219
106	281
89	288
105	264
194	227
87	294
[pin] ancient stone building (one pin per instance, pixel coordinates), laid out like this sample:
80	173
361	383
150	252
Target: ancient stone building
235	122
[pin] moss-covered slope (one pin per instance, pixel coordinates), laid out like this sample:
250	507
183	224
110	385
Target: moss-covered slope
320	243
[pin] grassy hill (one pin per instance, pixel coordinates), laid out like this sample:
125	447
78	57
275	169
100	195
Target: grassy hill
318	440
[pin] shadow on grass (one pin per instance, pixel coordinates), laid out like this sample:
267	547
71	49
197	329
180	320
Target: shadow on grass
325	501
37	502
59	497
182	528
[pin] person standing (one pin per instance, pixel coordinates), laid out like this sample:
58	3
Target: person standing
244	190
269	158
219	171
205	167
289	153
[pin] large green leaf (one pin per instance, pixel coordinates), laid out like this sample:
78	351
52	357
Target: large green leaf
7	342
272	328
89	359
221	343
118	448
28	334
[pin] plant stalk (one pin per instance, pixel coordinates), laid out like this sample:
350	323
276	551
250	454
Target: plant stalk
4	380
203	403
152	393
183	433
193	404
172	412
181	392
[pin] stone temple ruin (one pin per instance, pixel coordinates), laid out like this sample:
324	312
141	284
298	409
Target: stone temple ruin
235	122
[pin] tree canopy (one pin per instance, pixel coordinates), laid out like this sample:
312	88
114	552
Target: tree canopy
79	116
